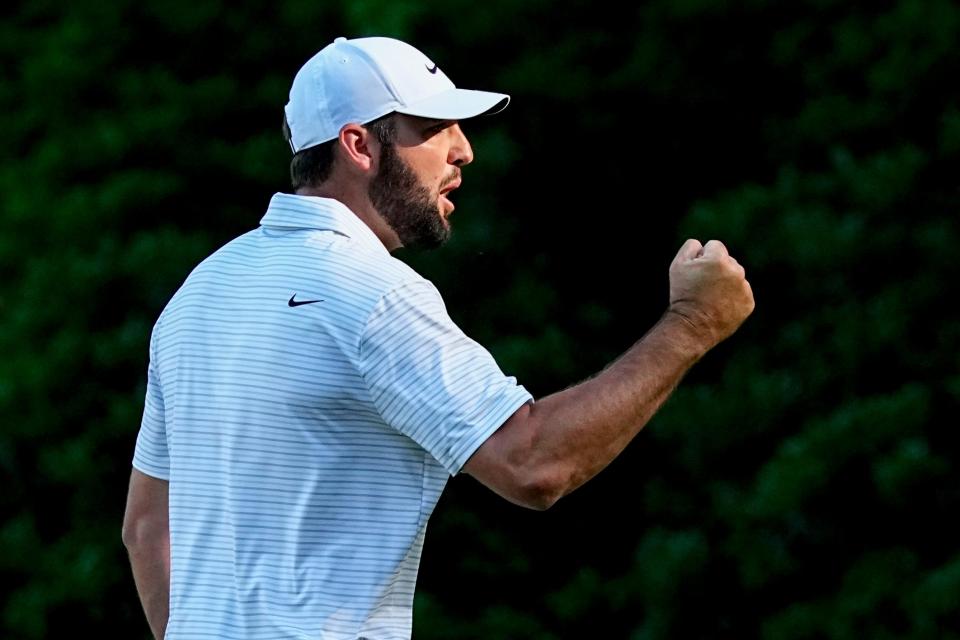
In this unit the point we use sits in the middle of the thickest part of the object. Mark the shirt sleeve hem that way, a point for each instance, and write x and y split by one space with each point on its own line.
519 397
153 472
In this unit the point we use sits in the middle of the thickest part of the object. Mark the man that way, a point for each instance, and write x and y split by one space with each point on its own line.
308 395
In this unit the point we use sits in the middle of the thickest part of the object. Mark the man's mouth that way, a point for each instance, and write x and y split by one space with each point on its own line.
450 186
445 192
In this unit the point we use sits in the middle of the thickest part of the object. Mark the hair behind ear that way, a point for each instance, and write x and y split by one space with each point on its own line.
310 167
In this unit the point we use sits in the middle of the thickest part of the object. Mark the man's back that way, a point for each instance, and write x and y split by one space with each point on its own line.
295 509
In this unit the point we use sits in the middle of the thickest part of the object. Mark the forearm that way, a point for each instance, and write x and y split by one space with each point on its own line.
150 561
549 448
579 431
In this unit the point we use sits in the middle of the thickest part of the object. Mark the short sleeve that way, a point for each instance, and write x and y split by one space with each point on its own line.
429 380
151 455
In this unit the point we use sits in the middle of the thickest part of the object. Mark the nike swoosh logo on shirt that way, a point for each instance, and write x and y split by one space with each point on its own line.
297 303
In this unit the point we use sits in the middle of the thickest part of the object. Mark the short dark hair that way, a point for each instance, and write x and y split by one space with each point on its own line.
311 167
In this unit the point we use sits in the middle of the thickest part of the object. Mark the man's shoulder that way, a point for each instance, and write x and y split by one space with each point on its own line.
362 267
351 276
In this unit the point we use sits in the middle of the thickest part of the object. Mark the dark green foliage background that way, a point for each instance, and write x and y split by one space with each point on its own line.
801 482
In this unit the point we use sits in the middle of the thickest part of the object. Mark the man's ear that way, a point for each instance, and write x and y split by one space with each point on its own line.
358 146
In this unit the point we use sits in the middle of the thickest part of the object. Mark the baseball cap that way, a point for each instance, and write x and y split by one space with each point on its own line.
361 79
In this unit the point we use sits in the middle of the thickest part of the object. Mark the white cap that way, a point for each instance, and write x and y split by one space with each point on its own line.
363 79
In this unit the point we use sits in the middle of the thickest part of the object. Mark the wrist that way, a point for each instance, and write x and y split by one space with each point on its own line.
686 331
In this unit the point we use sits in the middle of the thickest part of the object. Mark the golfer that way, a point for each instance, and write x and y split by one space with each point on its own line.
308 396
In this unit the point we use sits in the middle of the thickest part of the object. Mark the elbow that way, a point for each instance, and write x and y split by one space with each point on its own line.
540 480
142 533
542 491
145 519
516 466
128 534
541 502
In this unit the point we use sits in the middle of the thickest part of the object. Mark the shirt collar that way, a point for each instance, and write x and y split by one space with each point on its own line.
288 211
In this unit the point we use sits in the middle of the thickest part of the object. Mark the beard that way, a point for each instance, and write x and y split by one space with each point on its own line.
406 204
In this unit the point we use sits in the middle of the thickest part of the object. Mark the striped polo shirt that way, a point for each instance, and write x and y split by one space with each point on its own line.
308 398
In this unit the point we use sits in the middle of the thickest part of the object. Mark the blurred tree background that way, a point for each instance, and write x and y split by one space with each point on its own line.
798 485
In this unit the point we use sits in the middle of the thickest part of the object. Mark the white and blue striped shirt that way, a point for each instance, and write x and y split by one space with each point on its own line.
308 398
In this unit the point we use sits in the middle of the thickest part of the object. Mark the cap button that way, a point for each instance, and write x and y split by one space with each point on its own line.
340 39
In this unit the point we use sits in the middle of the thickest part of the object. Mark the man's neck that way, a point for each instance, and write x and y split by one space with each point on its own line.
361 206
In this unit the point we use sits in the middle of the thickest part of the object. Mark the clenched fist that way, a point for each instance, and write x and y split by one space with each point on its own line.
709 289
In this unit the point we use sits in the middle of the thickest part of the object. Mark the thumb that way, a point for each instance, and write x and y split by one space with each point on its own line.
690 250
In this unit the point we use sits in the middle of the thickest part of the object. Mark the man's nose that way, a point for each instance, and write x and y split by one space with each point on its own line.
461 152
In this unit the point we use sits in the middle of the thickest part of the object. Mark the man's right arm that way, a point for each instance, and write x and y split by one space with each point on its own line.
146 534
550 447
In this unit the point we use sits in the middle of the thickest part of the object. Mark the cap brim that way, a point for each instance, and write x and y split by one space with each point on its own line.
458 104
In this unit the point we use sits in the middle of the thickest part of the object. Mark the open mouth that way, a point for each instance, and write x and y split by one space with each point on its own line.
445 195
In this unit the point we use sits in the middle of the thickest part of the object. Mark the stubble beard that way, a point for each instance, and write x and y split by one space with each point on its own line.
406 204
